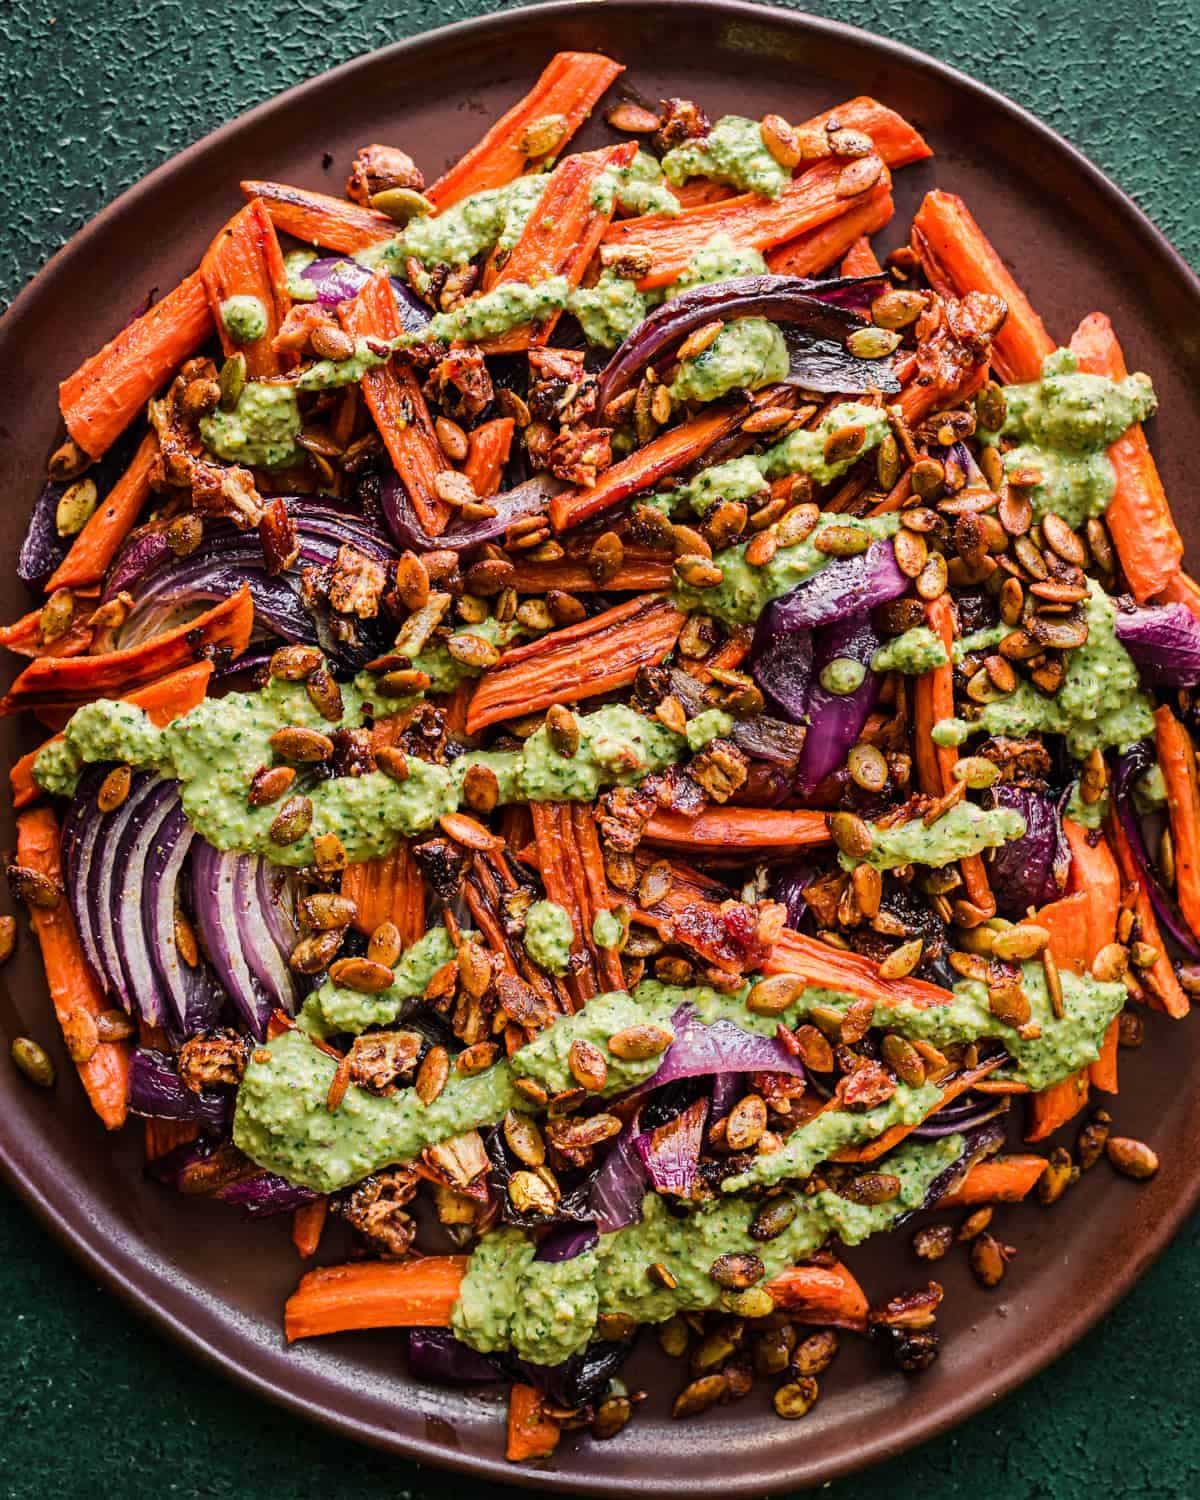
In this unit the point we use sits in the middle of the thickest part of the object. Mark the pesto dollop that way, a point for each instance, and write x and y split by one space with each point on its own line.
966 829
333 1008
548 936
915 651
746 354
509 305
842 676
732 152
244 318
260 431
490 220
638 188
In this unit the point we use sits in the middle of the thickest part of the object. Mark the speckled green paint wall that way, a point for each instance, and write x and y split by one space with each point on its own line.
95 93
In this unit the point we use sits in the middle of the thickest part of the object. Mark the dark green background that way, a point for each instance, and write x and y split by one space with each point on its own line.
95 93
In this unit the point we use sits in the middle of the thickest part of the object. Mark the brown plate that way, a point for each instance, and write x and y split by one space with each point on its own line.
218 1283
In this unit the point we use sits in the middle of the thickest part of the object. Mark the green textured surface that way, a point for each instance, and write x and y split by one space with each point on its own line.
98 93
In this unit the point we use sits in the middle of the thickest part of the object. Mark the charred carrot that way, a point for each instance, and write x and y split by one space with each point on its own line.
958 258
1103 1073
389 889
813 252
553 833
244 260
1177 759
375 1294
810 200
531 1432
109 524
24 636
699 190
1138 515
161 1137
487 453
596 656
1003 1179
163 701
398 406
74 991
897 141
860 259
317 219
835 969
1051 1108
308 1224
820 1294
1159 979
597 896
1094 873
563 233
644 576
563 97
56 683
1070 924
110 389
717 828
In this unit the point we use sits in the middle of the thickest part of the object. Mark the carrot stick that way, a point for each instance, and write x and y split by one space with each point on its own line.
55 683
827 1295
375 1294
567 90
1070 923
699 190
597 896
807 202
245 260
1003 1179
1102 1074
1094 872
389 889
649 576
836 969
531 1433
163 701
24 636
554 842
333 223
860 259
563 233
488 449
717 828
818 249
308 1224
958 258
1166 991
896 141
109 524
73 986
872 1150
110 388
1177 758
397 404
161 1137
1182 589
596 656
1053 1107
664 455
1138 515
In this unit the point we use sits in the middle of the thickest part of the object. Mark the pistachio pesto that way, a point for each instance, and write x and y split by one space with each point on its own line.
712 724
549 934
964 830
732 152
244 318
1089 815
607 929
445 672
512 304
295 262
260 431
842 676
638 188
746 354
333 1008
490 220
917 650
328 374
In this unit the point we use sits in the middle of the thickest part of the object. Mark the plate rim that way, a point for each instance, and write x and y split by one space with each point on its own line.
164 1304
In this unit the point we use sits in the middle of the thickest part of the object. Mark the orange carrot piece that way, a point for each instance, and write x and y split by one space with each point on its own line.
647 576
393 394
563 233
699 190
1159 980
897 142
24 636
308 1224
1182 589
872 1150
456 705
958 258
1003 1179
531 1432
1138 515
333 223
717 828
1070 924
73 987
163 701
375 1294
244 260
1177 758
553 836
828 1295
54 683
1094 872
860 259
111 388
109 524
834 969
1067 922
1051 1108
664 455
1102 1074
818 249
597 896
389 889
569 88
808 201
596 656
161 1137
488 449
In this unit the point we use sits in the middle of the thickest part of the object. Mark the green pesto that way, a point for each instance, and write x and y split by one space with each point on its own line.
244 318
479 223
445 672
803 451
915 651
1087 814
509 305
746 354
294 263
1063 424
548 936
333 1008
735 479
327 374
980 640
732 152
712 724
966 829
952 732
842 676
1150 790
722 259
260 431
638 188
607 930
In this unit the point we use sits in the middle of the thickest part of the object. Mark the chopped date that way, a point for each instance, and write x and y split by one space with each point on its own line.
442 864
461 385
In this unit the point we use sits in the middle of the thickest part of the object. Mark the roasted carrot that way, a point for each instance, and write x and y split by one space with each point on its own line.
488 449
109 524
393 394
161 1137
1159 979
818 249
389 889
896 141
163 701
1094 873
1182 589
566 92
51 683
1103 1073
1138 516
244 260
596 894
860 259
700 190
1003 1179
872 1150
1070 924
562 234
532 1432
1177 760
835 969
24 636
308 1224
734 828
662 456
562 878
958 258
820 1294
644 576
1051 1108
318 219
74 990
808 201
107 391
596 656
375 1294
